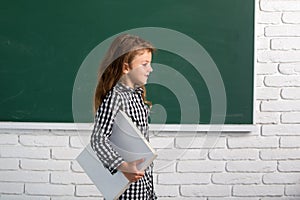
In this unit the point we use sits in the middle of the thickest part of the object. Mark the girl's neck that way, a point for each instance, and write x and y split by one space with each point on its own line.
127 83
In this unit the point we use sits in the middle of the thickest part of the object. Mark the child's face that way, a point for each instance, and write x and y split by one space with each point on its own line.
139 70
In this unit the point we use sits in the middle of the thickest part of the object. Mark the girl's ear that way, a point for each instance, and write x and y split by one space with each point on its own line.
125 68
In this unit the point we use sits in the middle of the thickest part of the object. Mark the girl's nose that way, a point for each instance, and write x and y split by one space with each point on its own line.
150 68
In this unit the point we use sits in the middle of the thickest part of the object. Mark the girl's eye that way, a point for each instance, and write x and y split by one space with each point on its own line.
145 64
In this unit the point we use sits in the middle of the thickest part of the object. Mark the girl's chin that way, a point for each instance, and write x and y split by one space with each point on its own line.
141 84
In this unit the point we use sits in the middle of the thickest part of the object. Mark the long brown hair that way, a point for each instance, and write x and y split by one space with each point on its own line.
122 50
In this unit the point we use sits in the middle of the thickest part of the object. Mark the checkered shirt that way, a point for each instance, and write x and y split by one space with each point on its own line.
122 97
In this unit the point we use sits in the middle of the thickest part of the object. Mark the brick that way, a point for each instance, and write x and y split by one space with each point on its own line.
236 178
205 190
87 190
44 141
155 178
45 165
281 178
269 17
49 189
280 154
253 142
233 154
23 197
65 153
283 31
169 154
257 106
290 142
76 198
182 154
12 131
200 166
175 134
162 166
279 5
278 56
199 142
24 152
290 93
183 178
11 188
260 30
279 198
267 117
8 139
83 133
290 118
254 132
233 198
282 81
69 178
289 166
289 68
79 141
182 198
167 191
293 190
267 93
280 106
24 176
251 166
260 80
266 68
291 17
76 167
262 43
9 163
162 142
285 44
258 190
65 132
284 130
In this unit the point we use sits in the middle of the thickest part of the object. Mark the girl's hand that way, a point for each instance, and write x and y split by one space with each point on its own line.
130 171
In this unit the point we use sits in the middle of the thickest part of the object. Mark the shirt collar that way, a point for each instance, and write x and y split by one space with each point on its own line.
126 88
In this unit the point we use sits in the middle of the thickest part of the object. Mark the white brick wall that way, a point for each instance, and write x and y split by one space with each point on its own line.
262 165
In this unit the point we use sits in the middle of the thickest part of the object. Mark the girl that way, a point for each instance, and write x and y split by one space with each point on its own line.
122 75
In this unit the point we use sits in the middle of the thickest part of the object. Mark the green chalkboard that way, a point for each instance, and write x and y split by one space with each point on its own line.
44 44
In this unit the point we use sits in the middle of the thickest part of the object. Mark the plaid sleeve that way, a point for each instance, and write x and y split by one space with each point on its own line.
104 120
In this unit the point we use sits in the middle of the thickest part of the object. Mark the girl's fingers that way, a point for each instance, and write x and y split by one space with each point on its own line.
136 178
140 173
133 177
